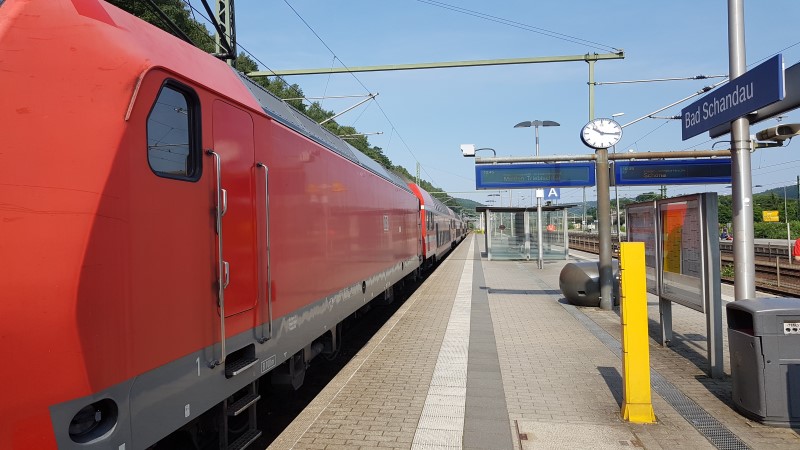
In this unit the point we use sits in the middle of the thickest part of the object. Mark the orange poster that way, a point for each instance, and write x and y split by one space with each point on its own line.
672 222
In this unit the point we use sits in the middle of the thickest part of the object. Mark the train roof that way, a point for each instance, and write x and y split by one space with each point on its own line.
287 115
430 202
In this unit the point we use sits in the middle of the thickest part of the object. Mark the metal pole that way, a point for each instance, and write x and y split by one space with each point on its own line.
540 259
604 229
225 17
441 65
616 197
591 157
788 231
743 234
591 89
603 211
583 219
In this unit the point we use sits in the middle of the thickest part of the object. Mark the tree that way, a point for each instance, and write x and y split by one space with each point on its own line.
648 196
725 212
178 12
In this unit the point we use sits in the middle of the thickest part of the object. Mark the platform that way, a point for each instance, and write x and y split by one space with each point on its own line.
488 355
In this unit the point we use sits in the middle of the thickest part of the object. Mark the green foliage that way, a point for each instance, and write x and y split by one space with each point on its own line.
647 196
768 201
776 230
175 10
724 210
180 13
727 271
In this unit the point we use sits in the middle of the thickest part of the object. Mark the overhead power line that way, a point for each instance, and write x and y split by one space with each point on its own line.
522 26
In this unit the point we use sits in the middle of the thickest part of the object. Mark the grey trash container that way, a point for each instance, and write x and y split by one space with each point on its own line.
764 345
580 282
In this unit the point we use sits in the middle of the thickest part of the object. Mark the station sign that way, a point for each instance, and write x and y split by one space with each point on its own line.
552 193
524 176
791 100
756 88
672 171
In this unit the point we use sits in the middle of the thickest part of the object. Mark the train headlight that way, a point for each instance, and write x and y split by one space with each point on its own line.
93 421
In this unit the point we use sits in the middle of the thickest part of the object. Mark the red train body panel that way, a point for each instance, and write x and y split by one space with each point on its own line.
112 254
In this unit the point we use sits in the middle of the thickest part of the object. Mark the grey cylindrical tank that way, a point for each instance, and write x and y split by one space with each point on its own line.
580 282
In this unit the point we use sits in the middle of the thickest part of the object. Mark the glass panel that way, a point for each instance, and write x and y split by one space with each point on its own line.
553 235
508 235
168 135
554 246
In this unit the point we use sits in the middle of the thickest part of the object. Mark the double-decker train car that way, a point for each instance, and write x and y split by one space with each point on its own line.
441 228
171 234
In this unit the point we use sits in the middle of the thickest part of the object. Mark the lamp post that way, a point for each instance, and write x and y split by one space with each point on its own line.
788 231
536 124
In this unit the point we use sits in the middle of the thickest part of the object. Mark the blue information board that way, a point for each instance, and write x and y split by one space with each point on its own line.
522 176
756 88
672 171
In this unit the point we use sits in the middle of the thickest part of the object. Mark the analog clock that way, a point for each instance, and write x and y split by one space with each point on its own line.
601 133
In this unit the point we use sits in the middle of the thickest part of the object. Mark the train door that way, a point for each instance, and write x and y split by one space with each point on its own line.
234 154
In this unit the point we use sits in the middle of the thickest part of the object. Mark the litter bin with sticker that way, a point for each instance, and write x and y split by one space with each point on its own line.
764 346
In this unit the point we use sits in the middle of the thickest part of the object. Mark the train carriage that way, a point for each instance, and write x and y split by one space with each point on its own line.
441 228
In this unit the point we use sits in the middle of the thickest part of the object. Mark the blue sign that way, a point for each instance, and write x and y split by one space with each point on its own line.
524 176
552 193
756 88
674 171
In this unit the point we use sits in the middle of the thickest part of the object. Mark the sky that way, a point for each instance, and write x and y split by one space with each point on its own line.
424 115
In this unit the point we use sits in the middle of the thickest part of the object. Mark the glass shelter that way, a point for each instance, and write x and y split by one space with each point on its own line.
511 233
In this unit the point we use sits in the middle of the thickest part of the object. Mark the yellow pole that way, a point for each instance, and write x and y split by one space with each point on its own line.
637 404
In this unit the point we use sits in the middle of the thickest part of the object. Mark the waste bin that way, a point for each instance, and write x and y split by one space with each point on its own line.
580 282
764 345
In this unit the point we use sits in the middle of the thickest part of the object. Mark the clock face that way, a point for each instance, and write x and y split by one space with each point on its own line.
601 133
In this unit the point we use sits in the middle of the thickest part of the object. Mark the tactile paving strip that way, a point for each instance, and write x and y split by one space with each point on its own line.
442 422
706 424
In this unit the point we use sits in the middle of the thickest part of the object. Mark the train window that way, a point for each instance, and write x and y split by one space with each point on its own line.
173 148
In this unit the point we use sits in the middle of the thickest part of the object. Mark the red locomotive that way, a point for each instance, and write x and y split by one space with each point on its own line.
172 234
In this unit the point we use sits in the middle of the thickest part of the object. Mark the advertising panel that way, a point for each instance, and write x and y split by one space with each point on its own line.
681 250
642 226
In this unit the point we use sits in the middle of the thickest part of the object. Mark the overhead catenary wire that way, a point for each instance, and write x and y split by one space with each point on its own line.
383 112
522 26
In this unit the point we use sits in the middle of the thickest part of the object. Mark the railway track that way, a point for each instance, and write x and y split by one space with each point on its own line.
775 271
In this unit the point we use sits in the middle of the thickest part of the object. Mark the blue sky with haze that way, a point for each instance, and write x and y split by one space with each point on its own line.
424 115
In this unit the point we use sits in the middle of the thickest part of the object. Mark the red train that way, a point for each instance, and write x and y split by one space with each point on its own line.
172 235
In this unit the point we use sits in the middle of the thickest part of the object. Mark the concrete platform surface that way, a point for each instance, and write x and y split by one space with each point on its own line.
488 355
